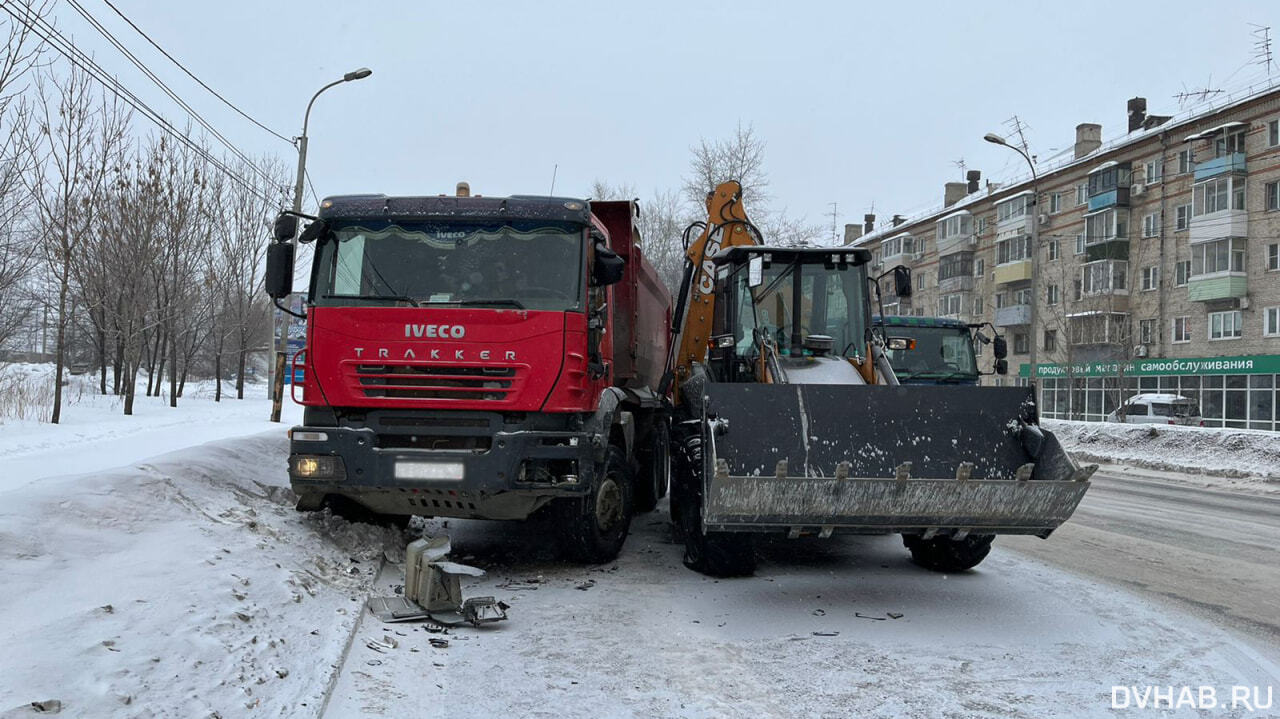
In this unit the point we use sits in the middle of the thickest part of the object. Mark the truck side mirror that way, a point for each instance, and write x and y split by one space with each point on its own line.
1000 348
313 231
1002 366
607 267
279 279
902 281
285 228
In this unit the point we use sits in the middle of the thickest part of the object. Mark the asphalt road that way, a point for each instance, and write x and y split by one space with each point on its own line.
1210 551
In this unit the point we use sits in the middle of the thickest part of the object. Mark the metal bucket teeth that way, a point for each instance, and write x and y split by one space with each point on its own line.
883 459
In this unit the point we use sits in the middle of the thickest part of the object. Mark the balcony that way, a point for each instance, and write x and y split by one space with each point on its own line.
1013 316
1218 286
1217 225
959 283
1230 162
1109 185
1017 271
1115 197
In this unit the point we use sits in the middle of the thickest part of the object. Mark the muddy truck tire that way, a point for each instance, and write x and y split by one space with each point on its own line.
944 554
654 476
594 529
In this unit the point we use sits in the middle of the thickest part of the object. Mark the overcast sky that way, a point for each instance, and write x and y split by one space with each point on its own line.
858 102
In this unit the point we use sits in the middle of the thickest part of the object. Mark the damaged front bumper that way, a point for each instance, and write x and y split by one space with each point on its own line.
465 464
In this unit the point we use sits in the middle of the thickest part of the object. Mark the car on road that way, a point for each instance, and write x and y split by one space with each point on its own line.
1158 409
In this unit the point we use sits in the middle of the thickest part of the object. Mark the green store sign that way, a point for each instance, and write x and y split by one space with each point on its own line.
1244 364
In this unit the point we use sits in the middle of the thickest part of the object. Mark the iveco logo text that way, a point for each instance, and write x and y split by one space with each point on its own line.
454 331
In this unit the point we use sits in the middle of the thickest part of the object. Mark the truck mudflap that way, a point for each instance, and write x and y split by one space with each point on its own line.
878 459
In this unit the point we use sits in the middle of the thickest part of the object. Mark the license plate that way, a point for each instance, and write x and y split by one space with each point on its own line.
430 470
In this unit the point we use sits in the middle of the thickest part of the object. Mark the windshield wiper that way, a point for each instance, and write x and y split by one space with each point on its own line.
503 301
388 298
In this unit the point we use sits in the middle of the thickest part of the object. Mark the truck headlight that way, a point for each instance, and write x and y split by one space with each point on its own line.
308 466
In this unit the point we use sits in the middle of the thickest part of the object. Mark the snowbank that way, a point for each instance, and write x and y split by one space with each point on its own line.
1230 453
185 586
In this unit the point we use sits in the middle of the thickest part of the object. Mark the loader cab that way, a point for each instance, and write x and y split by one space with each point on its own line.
789 314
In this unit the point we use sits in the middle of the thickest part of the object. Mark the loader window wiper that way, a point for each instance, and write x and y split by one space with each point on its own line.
388 298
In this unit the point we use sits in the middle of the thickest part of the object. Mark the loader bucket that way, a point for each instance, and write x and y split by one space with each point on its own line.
879 459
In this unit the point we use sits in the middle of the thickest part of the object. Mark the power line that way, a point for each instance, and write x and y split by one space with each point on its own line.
48 33
224 100
168 91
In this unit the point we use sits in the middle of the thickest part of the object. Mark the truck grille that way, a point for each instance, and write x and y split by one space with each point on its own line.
492 383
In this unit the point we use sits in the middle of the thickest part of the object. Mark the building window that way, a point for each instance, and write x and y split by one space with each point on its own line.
1273 195
1076 293
1226 325
1185 162
900 245
1271 322
1014 249
1155 170
1055 203
1273 256
1013 209
1052 295
956 264
1020 345
1181 273
1217 256
979 266
999 300
1082 194
1218 194
981 226
949 305
1104 276
1080 244
1055 250
920 281
1151 225
1273 133
1050 340
1181 330
1182 217
1229 143
1150 277
1106 226
1022 296
1146 331
977 305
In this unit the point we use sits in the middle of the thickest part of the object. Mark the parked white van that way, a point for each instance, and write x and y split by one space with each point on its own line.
1159 409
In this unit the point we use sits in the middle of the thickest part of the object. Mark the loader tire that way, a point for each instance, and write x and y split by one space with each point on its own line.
655 469
944 554
595 528
716 554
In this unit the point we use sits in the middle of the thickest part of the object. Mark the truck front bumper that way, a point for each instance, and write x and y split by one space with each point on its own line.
479 466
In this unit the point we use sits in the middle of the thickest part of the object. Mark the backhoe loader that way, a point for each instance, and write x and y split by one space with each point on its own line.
788 417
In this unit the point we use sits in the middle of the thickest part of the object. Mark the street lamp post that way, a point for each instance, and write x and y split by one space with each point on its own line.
1035 249
282 342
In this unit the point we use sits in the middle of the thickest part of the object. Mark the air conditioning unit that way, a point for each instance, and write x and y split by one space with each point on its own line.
1044 220
1137 189
1140 351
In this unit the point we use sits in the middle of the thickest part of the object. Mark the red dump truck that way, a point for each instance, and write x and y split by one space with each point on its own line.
480 357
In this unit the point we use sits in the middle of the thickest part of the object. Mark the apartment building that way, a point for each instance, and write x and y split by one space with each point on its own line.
1158 262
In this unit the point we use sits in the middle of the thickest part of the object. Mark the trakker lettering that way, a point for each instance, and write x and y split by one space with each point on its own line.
435 354
454 331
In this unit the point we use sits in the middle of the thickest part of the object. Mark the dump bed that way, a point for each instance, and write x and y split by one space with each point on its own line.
641 303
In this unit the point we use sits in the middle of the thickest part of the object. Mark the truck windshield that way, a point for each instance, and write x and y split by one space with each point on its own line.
941 353
832 303
523 265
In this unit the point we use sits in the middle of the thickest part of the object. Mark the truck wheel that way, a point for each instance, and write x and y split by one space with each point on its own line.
944 554
655 469
717 554
596 527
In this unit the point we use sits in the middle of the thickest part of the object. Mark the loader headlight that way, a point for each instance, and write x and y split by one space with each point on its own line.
308 466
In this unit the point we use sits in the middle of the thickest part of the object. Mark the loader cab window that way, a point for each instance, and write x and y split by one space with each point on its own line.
831 302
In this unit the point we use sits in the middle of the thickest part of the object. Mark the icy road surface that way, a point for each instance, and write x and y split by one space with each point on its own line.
843 627
185 585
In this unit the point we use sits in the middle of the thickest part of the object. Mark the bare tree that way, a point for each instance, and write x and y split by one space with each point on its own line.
74 142
740 157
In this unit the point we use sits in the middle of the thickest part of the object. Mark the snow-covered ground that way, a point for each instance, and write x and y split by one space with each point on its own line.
95 434
1229 458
